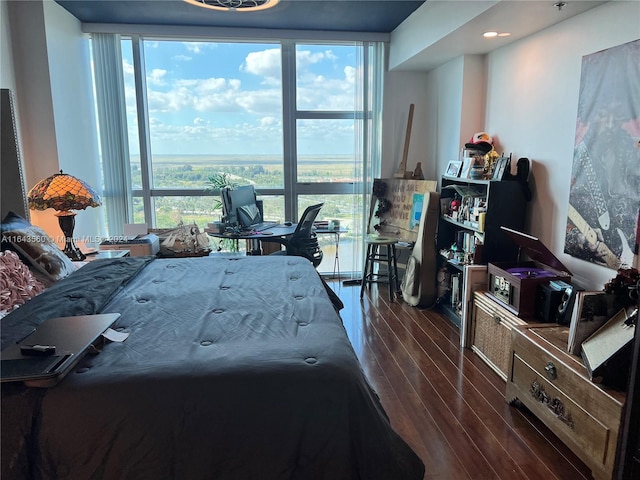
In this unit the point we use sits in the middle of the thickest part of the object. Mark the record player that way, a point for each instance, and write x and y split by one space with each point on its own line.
513 284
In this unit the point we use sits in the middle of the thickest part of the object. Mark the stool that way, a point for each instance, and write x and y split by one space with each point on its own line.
376 255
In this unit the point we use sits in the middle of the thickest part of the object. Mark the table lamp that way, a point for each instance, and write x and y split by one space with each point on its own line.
64 193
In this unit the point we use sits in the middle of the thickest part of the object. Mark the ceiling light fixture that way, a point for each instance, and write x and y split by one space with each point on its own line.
234 5
559 5
495 34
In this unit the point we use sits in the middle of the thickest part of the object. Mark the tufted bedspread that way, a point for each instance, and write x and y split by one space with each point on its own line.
235 369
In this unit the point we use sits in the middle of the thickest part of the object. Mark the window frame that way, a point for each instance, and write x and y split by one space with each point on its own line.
292 189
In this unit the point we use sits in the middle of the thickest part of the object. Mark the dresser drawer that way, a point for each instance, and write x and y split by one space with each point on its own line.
556 388
491 333
570 422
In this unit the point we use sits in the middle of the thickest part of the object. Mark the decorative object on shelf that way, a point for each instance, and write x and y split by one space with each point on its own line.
453 169
500 167
64 193
490 160
624 286
480 141
476 172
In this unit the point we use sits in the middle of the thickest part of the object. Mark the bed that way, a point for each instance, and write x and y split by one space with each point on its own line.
235 368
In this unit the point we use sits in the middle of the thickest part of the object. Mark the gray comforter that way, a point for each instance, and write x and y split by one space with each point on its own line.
235 369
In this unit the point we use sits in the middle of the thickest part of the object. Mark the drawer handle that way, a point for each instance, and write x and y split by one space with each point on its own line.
554 404
552 373
497 319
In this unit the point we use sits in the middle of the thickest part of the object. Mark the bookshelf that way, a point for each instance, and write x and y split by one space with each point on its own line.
471 214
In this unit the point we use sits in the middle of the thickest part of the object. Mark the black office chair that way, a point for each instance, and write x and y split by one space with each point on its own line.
304 241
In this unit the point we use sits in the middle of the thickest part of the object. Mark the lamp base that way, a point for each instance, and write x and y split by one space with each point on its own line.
67 222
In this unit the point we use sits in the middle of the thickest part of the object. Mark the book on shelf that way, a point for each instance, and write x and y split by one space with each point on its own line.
591 311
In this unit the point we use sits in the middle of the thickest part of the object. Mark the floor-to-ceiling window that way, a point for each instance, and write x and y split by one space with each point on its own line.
292 118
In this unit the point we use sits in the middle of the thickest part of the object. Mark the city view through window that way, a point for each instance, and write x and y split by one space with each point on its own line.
215 108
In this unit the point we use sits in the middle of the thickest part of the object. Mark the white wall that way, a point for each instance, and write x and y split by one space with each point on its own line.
401 89
7 78
73 109
532 99
50 61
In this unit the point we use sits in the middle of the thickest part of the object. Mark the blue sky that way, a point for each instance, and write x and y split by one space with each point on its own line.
207 98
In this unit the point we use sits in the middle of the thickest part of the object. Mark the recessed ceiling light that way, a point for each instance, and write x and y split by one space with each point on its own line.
235 5
490 34
505 34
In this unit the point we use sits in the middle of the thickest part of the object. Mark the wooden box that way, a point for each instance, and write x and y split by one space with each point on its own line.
555 387
513 284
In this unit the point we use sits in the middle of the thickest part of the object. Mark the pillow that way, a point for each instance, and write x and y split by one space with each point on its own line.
17 283
35 247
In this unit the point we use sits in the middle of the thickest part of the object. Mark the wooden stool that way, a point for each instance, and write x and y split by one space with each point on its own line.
376 255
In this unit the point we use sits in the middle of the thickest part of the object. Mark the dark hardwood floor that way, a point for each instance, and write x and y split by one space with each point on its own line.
444 400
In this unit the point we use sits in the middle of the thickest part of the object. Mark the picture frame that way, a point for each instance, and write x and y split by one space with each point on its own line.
453 169
499 168
467 163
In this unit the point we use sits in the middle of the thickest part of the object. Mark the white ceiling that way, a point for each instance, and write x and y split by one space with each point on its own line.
441 30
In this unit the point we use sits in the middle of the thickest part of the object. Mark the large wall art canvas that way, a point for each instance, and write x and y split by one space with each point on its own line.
604 199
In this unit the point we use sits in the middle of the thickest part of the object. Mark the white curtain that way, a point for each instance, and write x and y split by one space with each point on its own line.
368 138
112 124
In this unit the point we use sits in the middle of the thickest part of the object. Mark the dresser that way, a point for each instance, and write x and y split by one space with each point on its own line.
556 388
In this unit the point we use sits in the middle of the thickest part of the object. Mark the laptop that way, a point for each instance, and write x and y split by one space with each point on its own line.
71 338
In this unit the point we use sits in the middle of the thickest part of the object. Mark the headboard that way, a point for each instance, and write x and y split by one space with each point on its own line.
12 192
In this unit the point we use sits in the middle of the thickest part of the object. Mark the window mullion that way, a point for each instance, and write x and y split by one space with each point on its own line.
289 128
143 127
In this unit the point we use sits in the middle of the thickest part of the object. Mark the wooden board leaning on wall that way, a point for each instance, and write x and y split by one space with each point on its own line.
402 219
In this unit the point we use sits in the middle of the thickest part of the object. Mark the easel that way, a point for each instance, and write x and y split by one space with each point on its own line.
402 169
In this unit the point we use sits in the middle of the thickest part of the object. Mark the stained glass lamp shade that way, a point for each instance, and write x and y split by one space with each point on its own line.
64 193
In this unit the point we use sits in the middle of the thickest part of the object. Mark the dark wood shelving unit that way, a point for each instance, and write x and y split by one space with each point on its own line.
505 205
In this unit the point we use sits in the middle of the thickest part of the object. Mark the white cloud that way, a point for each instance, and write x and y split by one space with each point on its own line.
182 58
156 76
304 58
265 63
195 47
268 121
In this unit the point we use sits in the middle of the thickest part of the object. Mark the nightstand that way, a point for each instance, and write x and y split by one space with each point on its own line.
105 254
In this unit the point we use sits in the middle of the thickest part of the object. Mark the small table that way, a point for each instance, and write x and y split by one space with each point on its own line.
336 232
278 231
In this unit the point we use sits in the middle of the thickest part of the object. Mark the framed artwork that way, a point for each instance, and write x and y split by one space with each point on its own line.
453 169
604 195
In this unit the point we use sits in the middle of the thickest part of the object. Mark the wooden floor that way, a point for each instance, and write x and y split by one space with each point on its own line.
443 400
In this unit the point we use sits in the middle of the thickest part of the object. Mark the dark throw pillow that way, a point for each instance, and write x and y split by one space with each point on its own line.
35 247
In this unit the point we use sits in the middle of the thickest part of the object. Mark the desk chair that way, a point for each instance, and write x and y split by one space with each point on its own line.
303 242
